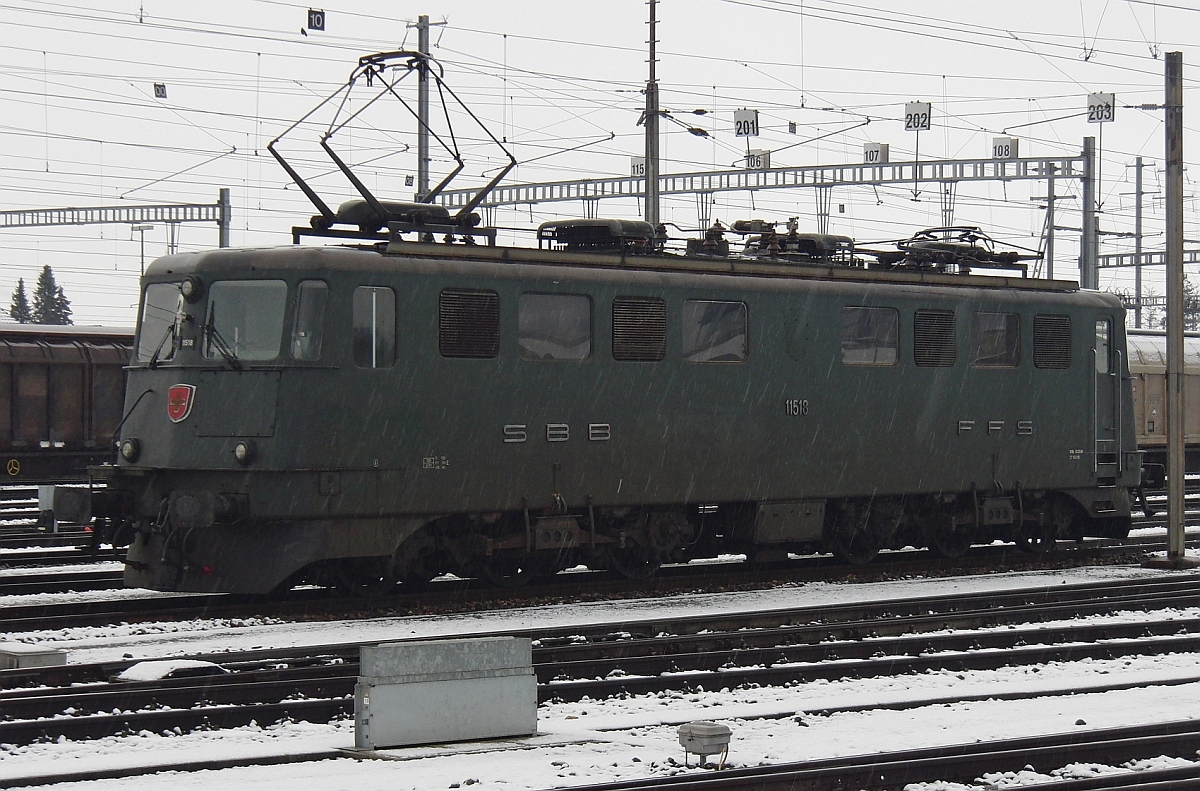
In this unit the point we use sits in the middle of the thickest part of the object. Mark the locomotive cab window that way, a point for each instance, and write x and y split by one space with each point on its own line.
159 308
714 332
244 319
995 340
554 326
870 336
308 329
374 318
1103 331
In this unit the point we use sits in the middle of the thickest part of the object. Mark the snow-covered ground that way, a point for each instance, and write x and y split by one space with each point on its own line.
175 638
598 741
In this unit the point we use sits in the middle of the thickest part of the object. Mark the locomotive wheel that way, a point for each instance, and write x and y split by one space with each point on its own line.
855 546
853 540
1040 539
635 562
367 578
949 543
415 560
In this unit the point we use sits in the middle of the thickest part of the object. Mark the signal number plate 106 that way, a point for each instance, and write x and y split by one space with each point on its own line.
795 407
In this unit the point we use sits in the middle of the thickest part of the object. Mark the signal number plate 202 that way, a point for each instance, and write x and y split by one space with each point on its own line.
795 407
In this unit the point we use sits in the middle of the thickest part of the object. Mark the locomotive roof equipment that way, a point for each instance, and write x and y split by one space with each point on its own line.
389 70
953 249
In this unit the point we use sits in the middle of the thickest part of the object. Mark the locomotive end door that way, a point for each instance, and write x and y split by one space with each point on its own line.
1106 401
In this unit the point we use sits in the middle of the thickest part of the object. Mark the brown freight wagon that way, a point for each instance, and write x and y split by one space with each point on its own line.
61 393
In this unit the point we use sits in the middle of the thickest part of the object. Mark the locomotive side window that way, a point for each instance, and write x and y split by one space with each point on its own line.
1052 341
374 317
934 338
158 316
995 340
870 336
554 326
714 332
639 329
244 319
469 323
309 328
1103 330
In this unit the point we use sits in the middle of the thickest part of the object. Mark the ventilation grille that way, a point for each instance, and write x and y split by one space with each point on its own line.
1052 341
469 324
933 338
639 329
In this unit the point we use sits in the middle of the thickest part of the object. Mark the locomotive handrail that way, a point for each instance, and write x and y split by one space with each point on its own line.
117 430
1095 388
1116 382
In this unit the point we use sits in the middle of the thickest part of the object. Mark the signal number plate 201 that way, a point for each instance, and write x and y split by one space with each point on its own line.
795 407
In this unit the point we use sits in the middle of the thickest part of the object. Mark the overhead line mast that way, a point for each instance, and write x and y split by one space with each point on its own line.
651 120
422 27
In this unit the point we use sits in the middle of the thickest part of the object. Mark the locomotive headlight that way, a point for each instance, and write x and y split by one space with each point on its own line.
244 451
130 449
191 288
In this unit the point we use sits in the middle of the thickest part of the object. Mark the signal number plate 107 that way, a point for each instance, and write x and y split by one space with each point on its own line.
795 407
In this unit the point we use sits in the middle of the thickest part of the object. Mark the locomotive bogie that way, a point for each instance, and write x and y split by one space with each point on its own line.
439 412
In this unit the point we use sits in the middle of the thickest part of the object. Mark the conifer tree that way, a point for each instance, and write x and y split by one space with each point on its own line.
50 305
19 310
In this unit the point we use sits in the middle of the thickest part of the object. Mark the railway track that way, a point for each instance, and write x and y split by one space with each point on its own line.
451 595
685 653
963 763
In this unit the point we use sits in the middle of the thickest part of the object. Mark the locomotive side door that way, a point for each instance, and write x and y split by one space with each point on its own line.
1106 401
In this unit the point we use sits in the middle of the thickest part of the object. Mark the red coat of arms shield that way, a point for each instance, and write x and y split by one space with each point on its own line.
179 402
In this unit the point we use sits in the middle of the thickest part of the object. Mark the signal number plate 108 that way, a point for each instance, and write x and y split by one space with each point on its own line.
795 407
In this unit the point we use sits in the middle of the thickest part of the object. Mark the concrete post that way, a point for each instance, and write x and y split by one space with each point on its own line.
1175 379
652 116
423 109
225 221
1088 247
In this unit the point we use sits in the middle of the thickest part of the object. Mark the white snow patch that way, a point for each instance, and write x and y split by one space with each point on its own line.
155 670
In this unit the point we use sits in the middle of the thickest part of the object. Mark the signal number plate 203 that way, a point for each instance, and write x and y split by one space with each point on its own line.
795 407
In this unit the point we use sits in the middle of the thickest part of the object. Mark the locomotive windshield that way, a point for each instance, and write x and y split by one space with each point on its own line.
244 320
157 339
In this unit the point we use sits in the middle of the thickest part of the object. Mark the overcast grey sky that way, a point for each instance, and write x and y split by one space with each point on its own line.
82 127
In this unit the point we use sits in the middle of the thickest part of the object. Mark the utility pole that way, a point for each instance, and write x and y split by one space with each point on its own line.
142 230
1088 274
226 217
422 27
1050 196
1173 107
1137 244
423 108
651 121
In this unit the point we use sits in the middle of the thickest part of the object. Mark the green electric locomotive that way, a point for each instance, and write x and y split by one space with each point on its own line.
389 411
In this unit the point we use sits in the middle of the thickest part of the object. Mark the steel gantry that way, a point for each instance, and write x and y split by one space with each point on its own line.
169 214
822 178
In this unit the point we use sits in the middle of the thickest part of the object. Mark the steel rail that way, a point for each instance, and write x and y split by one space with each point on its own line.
457 594
961 763
268 680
